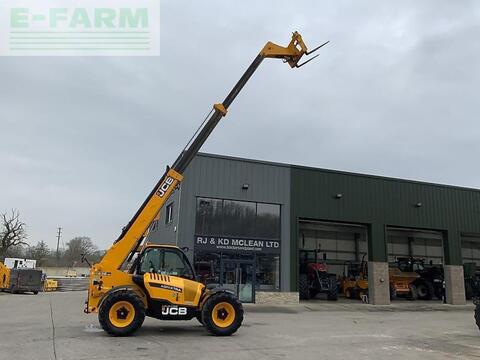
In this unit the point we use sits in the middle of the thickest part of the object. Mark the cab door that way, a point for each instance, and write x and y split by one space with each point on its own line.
168 276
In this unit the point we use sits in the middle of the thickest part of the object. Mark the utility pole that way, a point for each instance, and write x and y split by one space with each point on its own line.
59 234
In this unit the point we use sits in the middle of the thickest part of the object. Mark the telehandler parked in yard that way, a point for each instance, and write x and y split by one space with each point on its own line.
158 280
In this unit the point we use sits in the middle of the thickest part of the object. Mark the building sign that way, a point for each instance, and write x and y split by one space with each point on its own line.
222 243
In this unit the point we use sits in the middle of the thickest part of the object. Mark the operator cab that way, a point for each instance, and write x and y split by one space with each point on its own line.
162 260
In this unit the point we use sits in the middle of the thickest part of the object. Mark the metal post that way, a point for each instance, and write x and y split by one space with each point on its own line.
59 234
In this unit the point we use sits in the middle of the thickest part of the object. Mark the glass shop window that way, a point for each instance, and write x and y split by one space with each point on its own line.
239 218
267 272
209 216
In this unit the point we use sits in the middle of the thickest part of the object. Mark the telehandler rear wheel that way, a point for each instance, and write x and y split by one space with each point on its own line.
222 314
121 313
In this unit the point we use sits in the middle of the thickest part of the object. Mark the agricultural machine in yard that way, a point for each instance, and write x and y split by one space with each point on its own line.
476 300
472 287
4 277
471 274
354 282
20 280
430 281
314 277
402 284
135 279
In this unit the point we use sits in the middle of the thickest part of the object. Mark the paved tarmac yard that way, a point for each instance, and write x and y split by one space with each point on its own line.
53 326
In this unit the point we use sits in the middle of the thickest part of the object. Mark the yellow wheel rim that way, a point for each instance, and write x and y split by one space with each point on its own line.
223 314
121 314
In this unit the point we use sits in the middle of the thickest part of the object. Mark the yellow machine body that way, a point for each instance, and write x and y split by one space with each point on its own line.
4 276
50 285
354 288
400 281
122 295
176 290
107 275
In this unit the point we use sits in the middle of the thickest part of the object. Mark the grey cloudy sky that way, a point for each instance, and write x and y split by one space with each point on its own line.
83 140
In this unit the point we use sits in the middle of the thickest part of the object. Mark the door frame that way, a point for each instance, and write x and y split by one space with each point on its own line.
237 262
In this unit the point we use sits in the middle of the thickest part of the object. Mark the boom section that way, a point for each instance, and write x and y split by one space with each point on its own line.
132 235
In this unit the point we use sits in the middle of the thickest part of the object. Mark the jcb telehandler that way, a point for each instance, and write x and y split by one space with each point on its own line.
136 279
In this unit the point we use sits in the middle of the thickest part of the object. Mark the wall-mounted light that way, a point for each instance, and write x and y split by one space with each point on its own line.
418 205
245 186
338 196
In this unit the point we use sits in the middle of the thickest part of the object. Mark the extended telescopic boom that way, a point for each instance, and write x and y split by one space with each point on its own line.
132 234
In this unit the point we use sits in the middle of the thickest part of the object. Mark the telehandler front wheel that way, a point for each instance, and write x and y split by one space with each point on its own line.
121 313
222 314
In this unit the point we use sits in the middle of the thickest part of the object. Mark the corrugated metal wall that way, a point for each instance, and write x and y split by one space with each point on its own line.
307 193
223 177
380 202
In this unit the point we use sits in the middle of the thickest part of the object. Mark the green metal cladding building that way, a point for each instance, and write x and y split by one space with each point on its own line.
245 222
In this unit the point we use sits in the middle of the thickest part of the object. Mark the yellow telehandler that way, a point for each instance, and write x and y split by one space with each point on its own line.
136 279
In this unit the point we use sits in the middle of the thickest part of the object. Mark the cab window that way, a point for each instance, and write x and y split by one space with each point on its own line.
418 267
165 262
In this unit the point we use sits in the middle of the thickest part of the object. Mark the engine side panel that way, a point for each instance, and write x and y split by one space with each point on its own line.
175 290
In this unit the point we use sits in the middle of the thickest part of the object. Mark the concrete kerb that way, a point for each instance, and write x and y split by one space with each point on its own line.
357 307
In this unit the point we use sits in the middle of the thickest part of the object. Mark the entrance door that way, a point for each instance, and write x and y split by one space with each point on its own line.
238 276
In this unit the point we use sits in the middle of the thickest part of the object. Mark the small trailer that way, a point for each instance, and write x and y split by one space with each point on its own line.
25 280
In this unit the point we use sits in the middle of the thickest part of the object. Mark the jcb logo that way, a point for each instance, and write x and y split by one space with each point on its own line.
173 310
165 186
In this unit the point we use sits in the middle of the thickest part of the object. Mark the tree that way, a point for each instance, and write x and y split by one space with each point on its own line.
39 252
78 246
12 232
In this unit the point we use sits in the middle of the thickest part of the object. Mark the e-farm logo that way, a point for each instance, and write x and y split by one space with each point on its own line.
80 27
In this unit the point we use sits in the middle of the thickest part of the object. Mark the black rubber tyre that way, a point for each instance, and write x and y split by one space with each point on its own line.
362 293
199 318
468 290
35 292
393 293
424 289
117 297
212 321
348 293
332 294
477 315
439 293
303 288
412 295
